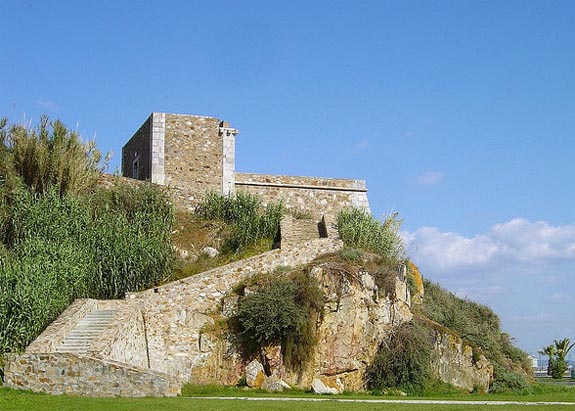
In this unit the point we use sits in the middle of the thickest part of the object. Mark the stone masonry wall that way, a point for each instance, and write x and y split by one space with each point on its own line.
193 154
294 231
60 373
139 147
125 341
319 196
176 313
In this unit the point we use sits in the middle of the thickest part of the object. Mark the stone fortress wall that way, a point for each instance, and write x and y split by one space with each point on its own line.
194 154
317 196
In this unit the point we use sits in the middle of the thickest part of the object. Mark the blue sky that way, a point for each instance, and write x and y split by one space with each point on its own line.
459 114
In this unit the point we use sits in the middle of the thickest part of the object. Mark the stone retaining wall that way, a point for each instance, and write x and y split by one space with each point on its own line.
176 313
294 231
60 373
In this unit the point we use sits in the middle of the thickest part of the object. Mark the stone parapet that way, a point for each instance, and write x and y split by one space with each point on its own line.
315 195
319 183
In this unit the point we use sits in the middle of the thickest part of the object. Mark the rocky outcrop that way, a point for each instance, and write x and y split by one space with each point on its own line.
356 318
453 363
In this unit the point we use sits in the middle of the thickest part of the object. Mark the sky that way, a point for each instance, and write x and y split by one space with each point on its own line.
460 115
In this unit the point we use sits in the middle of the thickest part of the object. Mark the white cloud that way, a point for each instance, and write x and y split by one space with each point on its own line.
430 178
516 241
523 270
47 105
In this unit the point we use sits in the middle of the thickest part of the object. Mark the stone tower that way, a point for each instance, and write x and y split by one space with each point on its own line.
193 153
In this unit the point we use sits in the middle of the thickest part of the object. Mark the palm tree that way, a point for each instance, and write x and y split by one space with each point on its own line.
550 352
563 347
557 352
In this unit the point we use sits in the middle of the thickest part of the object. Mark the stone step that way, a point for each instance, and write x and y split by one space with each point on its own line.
87 330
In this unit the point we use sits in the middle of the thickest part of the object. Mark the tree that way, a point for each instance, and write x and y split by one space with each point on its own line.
550 352
557 352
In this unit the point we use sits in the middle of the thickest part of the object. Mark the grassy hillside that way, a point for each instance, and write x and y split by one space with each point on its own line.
479 327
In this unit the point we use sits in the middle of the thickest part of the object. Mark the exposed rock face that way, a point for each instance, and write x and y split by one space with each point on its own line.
417 279
453 363
355 320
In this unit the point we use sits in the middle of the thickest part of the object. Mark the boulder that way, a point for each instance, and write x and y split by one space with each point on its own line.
274 384
210 252
327 385
255 375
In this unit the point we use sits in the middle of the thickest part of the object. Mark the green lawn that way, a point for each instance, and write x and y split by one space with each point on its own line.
544 392
19 400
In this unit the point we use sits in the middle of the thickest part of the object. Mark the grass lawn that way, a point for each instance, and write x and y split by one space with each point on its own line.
19 400
543 392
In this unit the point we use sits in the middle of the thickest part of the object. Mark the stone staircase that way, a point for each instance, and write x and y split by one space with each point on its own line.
87 330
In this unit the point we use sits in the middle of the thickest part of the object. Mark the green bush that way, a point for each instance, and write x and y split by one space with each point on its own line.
402 361
358 229
279 310
506 380
250 221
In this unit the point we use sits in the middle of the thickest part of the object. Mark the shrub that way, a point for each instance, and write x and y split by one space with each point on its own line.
358 229
402 361
505 380
249 220
280 311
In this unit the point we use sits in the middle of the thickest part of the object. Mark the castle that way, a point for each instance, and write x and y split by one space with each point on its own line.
154 341
195 154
